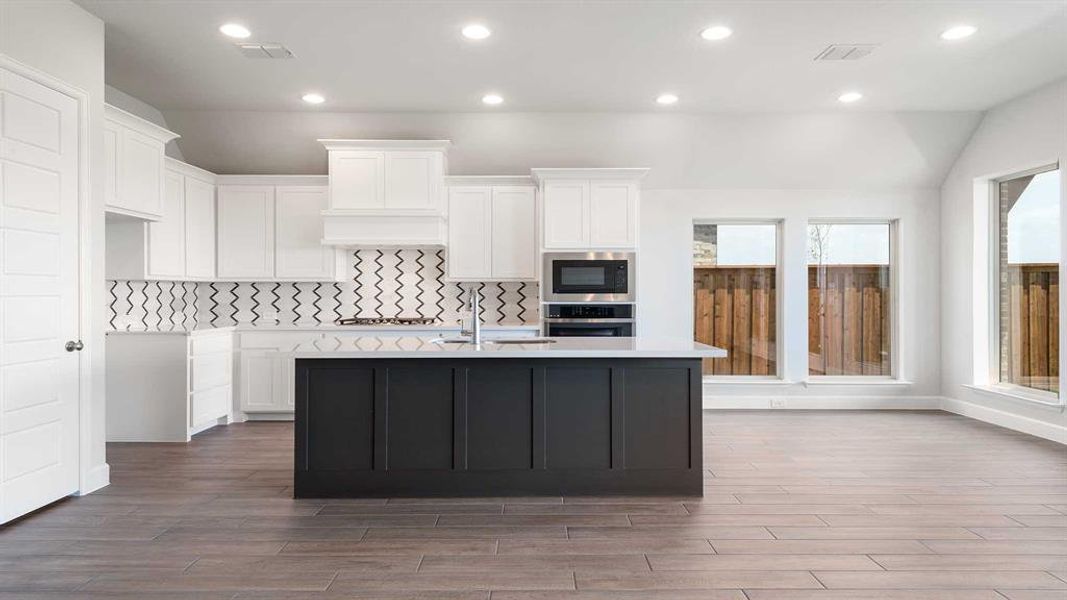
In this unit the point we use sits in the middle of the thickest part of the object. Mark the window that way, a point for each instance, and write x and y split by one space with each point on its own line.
734 282
850 304
1028 258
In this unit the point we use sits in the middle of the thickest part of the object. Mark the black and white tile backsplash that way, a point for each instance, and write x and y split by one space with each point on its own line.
381 283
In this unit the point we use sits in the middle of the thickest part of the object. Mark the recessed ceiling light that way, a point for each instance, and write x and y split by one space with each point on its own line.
235 30
313 98
476 31
716 32
666 99
492 99
849 97
958 32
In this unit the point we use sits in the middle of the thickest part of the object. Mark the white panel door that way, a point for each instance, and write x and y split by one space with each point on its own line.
246 231
612 214
199 229
38 295
514 233
357 179
469 231
566 205
166 237
411 180
299 253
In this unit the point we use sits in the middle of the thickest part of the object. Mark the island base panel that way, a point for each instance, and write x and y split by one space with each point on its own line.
497 427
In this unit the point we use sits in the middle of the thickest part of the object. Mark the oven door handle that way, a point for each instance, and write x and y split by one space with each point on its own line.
560 320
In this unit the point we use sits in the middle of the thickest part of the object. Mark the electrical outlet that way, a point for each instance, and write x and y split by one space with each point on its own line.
777 402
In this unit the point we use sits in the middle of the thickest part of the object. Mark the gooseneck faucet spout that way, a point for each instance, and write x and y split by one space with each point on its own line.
476 320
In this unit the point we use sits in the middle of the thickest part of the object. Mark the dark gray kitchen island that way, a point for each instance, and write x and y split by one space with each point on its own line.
409 416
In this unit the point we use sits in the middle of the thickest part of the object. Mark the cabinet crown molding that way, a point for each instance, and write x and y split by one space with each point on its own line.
187 169
282 180
337 144
519 180
542 173
138 124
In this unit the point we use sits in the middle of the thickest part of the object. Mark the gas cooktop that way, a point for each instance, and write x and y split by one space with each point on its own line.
387 321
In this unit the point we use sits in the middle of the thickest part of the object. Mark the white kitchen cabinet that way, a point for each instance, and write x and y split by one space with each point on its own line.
133 158
265 378
492 229
270 229
180 246
470 233
167 386
299 253
199 229
246 232
589 209
385 192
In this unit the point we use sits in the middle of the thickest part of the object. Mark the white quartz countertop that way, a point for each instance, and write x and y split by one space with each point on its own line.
565 347
325 328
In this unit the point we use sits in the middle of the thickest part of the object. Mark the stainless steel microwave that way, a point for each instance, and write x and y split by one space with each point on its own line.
589 277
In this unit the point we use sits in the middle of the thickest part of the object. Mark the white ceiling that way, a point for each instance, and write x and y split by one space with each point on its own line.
581 55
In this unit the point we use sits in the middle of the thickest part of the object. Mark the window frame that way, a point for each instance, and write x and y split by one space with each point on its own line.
995 383
779 299
896 372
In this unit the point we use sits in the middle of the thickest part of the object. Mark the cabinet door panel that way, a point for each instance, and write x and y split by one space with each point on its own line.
357 179
140 173
612 219
246 231
166 237
514 233
469 232
578 418
199 229
419 418
343 400
411 181
499 418
300 253
566 206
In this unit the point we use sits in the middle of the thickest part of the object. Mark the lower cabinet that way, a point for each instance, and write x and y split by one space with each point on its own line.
168 386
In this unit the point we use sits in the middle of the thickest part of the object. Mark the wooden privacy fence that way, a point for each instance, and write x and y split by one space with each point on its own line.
848 319
1030 324
735 309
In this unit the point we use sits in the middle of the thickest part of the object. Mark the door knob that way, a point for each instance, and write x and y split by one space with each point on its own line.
71 346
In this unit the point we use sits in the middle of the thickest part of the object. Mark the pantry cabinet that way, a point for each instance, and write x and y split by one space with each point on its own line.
492 229
270 229
134 165
589 209
180 245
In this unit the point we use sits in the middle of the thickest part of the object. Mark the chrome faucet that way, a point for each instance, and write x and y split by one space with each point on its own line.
475 331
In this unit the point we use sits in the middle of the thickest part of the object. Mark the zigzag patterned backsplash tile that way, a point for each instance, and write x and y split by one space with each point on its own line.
381 283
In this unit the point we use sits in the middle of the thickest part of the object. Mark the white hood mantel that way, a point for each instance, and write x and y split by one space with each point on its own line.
386 193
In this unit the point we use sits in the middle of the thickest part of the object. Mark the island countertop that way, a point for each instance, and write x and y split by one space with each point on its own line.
562 347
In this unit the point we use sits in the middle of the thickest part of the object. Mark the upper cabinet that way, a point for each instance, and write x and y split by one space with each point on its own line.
133 155
385 192
180 245
589 209
270 229
492 229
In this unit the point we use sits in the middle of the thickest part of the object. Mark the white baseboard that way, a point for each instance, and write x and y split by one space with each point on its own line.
98 477
1041 429
821 402
285 416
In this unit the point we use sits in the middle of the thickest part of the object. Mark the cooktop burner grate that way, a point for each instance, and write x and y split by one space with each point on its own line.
387 321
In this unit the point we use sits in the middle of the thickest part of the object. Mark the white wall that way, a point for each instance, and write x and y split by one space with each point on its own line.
1024 133
64 41
840 150
135 106
665 283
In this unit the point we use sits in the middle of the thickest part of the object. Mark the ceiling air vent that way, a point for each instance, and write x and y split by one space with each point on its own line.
268 50
846 51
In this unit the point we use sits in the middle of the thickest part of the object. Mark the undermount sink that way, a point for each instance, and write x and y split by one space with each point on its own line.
452 340
529 340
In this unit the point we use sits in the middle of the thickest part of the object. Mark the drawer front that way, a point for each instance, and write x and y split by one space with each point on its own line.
211 370
210 404
210 344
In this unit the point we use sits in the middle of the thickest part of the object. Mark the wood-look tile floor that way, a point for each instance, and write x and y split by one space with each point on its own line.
797 505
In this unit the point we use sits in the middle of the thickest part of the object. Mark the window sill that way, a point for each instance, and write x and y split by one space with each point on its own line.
856 381
746 380
1016 393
